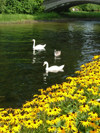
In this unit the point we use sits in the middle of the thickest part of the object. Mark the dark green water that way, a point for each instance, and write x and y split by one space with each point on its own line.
22 73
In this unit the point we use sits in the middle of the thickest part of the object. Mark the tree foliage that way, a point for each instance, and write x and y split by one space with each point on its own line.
20 6
2 5
33 6
88 7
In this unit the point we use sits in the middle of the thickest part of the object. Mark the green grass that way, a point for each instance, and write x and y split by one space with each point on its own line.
24 17
15 17
81 14
47 16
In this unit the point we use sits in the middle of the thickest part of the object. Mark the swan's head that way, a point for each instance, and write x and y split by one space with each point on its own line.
45 63
33 40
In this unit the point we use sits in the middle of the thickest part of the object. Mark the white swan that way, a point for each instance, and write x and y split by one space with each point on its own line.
53 68
57 53
39 46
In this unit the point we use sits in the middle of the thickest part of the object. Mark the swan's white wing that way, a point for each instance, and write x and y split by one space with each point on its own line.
55 68
55 71
40 46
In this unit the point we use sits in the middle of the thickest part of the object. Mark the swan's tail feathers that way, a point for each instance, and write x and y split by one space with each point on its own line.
44 45
62 66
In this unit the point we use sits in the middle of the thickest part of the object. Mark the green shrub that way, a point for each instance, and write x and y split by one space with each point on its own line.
2 5
20 6
87 7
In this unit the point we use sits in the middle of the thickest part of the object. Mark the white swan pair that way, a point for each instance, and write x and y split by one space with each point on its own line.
39 46
56 53
53 68
42 47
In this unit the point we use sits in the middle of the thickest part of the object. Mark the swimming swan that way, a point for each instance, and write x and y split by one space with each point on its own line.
53 68
38 47
57 53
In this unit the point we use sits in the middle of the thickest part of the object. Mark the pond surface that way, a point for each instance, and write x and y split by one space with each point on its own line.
21 70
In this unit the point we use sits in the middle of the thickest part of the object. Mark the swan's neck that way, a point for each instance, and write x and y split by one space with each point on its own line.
47 65
33 43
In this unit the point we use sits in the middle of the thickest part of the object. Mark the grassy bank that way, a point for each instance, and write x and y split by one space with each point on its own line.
70 107
48 16
81 14
24 17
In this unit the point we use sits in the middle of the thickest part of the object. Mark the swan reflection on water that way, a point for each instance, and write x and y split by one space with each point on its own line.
34 60
46 74
36 52
57 59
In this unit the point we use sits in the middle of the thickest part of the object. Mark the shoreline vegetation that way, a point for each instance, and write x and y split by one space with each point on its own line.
70 107
53 16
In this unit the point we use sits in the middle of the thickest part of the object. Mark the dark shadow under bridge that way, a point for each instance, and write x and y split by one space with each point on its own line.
58 5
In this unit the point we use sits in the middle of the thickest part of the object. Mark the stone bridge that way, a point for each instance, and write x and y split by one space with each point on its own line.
58 5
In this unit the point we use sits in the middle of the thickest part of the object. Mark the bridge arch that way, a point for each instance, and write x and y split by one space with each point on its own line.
58 5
